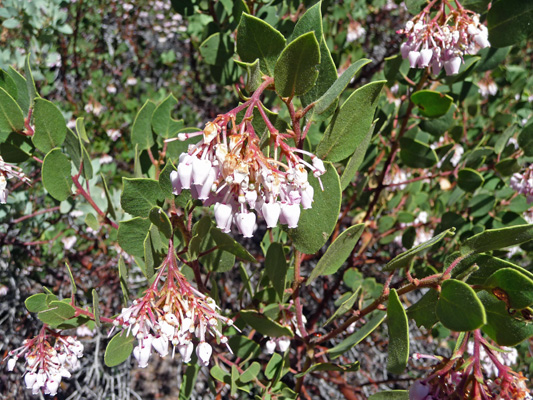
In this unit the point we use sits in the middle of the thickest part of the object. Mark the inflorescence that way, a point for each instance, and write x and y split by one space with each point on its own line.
228 169
442 40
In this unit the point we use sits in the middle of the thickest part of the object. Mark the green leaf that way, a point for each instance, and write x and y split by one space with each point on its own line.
164 180
458 308
141 131
509 22
213 49
416 154
23 97
335 90
469 180
398 327
123 276
481 205
350 124
50 127
118 349
256 39
276 267
404 259
162 122
30 82
57 313
188 381
415 6
502 327
479 6
295 72
337 253
518 287
424 310
432 104
494 239
251 373
131 235
227 243
316 224
140 195
356 159
160 219
310 21
80 129
345 306
491 57
36 302
274 366
391 394
110 207
508 166
71 277
525 140
92 222
8 84
488 265
264 325
244 347
356 337
96 308
56 175
253 74
437 126
11 117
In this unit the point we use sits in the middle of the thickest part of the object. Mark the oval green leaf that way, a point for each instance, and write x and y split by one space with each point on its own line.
509 22
432 104
469 180
276 267
11 116
398 328
118 349
56 175
264 325
416 154
50 127
517 287
494 239
458 308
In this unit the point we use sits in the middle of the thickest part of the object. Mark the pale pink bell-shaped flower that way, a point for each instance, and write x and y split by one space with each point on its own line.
246 223
204 351
205 190
271 212
200 170
11 364
425 57
413 58
186 351
283 344
185 173
452 65
307 197
291 214
270 346
223 213
251 198
52 384
142 352
29 379
160 345
405 49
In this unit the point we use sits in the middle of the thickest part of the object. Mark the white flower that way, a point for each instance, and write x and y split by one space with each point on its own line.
11 363
271 213
270 346
245 222
113 134
3 189
204 351
223 213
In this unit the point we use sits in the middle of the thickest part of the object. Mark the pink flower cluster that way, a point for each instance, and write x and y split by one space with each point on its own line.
8 171
523 183
228 169
443 40
174 315
45 364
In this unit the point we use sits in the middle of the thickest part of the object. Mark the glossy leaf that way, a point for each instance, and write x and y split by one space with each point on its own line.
525 139
50 127
265 325
227 243
345 306
56 313
398 328
488 265
276 267
337 252
404 259
36 302
502 327
416 154
350 124
431 104
118 349
11 117
188 381
316 224
141 131
458 308
140 195
517 287
494 239
56 175
131 235
424 310
358 336
509 22
469 180
250 373
295 71
335 90
256 39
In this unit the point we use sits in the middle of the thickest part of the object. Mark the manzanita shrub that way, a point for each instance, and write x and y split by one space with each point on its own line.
260 235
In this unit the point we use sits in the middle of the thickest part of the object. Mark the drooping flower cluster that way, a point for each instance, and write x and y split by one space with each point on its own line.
483 375
228 169
288 319
443 39
45 364
8 171
174 315
523 183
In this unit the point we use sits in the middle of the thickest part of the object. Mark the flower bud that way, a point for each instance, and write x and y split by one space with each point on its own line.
223 213
251 198
29 379
160 345
452 65
270 346
186 351
246 223
419 391
11 363
291 214
413 58
283 344
425 57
